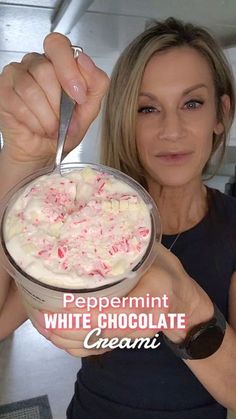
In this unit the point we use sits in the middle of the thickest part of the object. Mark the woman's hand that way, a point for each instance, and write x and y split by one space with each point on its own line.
165 276
30 100
68 340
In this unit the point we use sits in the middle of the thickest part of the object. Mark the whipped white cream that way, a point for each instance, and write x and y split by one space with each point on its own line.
83 230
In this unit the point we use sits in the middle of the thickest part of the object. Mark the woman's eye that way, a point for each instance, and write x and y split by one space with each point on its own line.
146 109
193 104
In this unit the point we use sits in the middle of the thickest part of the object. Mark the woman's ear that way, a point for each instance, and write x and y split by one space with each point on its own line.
225 102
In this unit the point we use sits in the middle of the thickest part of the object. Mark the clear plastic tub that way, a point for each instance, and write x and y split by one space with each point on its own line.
38 294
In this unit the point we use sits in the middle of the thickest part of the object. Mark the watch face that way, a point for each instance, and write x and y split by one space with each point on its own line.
205 342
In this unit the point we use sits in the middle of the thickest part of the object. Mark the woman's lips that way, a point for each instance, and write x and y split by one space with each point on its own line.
174 157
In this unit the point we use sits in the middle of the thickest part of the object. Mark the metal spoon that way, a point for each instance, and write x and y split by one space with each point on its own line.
66 110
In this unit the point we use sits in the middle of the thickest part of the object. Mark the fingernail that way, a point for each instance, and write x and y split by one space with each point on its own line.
85 61
77 92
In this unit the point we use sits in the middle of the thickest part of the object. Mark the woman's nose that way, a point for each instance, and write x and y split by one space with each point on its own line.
171 127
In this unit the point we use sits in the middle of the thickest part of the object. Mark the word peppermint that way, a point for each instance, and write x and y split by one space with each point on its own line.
101 303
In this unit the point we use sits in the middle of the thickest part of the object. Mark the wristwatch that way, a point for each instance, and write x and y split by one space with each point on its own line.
202 340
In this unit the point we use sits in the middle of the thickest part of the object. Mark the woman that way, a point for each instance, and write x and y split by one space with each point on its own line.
169 108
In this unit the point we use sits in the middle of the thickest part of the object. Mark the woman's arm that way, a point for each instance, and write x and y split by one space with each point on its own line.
12 312
217 373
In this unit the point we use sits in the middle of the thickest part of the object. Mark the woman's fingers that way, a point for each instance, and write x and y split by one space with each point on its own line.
30 99
81 79
15 106
43 72
73 347
97 83
96 79
27 102
65 66
63 343
33 95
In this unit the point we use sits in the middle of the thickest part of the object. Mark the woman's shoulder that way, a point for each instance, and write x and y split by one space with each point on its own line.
224 205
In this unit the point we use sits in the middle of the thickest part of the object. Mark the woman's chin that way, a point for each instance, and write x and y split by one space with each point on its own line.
173 180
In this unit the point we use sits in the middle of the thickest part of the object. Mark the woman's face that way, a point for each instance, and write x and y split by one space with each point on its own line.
176 116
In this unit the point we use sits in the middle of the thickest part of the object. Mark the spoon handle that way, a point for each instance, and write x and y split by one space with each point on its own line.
66 110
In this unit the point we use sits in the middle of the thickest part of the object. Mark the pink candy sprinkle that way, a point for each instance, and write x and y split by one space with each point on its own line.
59 218
96 272
42 253
143 232
101 187
32 190
115 249
65 265
60 253
105 267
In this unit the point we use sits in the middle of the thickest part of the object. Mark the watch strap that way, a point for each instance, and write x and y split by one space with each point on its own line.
183 349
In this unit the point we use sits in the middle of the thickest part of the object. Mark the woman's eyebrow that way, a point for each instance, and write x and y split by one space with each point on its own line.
195 87
149 95
185 92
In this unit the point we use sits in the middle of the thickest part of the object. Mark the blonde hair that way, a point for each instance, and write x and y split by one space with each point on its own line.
118 145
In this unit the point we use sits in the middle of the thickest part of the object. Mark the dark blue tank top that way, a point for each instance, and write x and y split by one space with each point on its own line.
154 383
